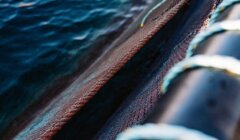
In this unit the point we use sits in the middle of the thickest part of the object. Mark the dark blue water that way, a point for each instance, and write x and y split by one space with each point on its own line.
44 40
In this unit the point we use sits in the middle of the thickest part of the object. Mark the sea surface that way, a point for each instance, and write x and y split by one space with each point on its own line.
44 40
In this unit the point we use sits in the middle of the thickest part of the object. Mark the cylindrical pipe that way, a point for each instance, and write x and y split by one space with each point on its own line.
202 99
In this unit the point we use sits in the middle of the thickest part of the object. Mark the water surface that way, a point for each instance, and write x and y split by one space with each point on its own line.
44 40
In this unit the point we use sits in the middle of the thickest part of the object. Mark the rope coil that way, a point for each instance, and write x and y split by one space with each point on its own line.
226 64
207 61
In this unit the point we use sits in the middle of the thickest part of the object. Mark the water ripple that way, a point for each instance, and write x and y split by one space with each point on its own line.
42 40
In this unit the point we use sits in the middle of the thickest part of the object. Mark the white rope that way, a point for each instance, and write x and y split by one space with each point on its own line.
233 25
227 64
162 132
150 11
221 8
